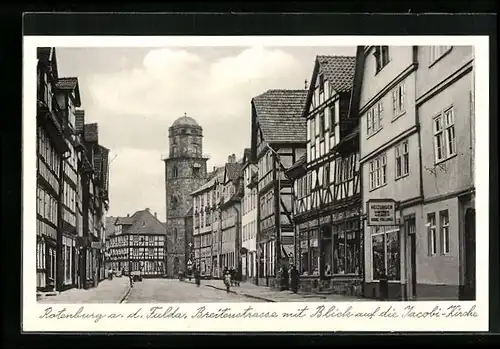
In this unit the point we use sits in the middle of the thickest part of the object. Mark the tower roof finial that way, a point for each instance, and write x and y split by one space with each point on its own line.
185 114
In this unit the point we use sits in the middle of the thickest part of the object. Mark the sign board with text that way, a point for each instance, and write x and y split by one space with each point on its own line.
381 212
96 244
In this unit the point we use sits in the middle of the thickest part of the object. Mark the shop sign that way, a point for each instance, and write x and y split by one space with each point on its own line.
381 212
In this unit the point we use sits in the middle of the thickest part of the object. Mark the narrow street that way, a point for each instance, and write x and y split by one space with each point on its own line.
175 291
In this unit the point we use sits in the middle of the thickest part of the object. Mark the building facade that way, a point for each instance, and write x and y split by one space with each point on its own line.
444 266
51 150
277 141
249 219
206 227
138 245
185 171
327 184
230 215
68 98
411 164
63 164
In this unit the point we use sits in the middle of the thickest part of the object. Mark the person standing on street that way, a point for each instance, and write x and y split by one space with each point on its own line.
197 277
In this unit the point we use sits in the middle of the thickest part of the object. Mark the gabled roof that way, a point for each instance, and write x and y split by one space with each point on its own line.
143 222
70 84
338 70
233 171
278 113
124 221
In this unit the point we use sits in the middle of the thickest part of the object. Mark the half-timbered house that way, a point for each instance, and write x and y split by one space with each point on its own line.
278 140
327 197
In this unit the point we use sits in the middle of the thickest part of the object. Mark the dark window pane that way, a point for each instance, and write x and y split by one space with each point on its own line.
378 250
393 256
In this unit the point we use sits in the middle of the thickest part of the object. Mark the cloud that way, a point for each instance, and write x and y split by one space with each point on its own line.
135 105
173 81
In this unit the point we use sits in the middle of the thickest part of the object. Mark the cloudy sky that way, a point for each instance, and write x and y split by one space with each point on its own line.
135 94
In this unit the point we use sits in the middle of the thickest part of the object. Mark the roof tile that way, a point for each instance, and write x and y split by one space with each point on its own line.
338 70
279 114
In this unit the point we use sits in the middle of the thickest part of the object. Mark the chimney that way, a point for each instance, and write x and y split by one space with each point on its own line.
231 159
215 168
128 214
147 209
156 216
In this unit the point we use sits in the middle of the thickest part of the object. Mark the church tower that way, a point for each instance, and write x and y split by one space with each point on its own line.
185 171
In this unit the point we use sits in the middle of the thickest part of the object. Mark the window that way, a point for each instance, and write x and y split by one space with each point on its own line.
398 100
381 54
175 172
321 83
402 159
313 128
374 118
444 135
378 172
445 231
322 124
332 119
386 253
346 247
436 52
432 233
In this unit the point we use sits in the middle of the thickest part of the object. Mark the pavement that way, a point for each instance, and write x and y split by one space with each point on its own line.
108 291
175 291
268 294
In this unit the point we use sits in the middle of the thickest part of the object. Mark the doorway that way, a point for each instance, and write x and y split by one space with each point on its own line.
411 284
470 254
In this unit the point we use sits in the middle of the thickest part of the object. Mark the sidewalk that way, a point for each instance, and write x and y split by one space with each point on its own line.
267 294
108 291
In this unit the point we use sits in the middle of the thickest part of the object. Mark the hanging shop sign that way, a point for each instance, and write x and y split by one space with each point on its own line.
381 212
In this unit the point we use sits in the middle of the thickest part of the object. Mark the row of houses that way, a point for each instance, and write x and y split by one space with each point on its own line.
72 184
366 175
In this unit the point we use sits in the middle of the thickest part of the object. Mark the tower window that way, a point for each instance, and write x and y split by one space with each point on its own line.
175 172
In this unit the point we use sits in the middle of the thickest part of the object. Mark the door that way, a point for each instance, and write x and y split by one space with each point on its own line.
470 254
411 284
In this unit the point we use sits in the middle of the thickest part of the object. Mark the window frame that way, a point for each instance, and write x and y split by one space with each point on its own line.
382 58
384 233
443 134
378 172
374 118
399 100
444 228
432 233
402 153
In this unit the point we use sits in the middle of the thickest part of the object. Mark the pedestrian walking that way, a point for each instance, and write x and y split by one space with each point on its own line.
227 279
284 277
294 279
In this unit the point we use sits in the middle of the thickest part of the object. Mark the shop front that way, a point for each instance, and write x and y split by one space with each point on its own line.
329 253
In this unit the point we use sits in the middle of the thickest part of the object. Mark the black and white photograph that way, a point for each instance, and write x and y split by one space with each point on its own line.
255 171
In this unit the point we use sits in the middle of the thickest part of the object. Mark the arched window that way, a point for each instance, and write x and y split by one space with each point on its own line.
175 172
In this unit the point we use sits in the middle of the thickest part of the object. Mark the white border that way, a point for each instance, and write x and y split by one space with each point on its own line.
31 309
